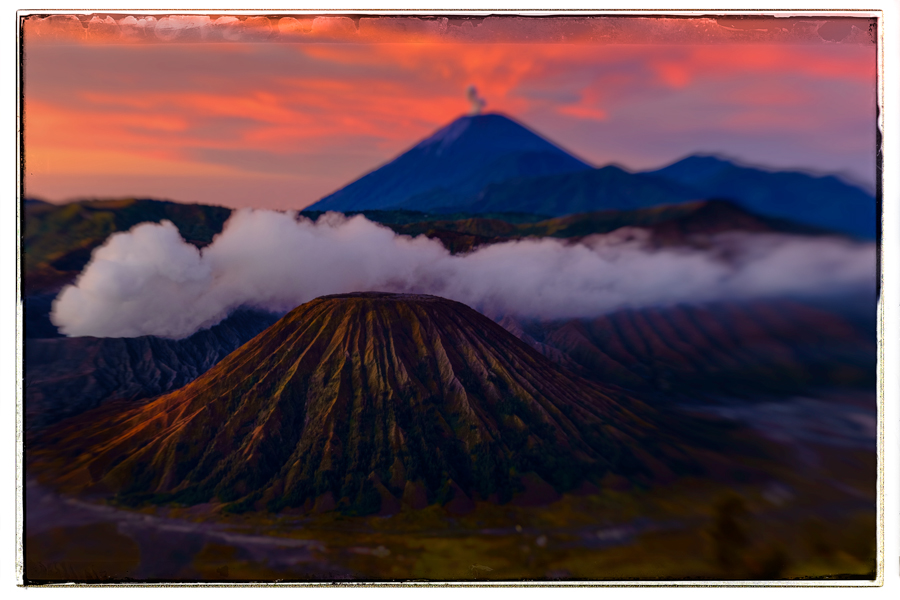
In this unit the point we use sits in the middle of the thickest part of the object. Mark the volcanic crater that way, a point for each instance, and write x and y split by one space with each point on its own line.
369 403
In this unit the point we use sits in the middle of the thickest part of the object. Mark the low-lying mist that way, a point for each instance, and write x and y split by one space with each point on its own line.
149 281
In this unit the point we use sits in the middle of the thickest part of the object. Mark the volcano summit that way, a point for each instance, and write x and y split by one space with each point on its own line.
365 402
451 166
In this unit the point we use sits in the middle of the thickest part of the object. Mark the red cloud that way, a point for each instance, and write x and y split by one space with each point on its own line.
213 103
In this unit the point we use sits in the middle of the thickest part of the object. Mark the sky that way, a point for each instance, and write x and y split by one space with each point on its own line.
277 112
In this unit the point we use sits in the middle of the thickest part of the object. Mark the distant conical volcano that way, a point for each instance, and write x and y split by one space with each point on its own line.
453 164
364 402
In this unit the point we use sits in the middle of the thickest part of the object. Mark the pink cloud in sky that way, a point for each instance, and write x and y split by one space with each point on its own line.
152 108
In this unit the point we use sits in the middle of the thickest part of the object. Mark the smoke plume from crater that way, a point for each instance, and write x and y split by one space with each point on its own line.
476 102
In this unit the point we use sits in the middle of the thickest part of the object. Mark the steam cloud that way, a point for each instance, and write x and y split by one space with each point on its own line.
149 281
476 103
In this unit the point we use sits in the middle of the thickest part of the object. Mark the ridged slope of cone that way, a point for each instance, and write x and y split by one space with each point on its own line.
360 402
729 348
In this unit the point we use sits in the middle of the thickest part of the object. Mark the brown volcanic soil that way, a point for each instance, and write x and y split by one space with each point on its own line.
366 402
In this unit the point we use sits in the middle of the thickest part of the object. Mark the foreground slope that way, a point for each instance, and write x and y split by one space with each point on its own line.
365 401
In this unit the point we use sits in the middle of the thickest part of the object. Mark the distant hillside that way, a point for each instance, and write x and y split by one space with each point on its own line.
825 202
669 225
67 376
608 188
58 239
726 348
822 202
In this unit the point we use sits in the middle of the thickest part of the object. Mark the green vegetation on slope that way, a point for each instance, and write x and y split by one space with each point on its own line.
57 240
671 224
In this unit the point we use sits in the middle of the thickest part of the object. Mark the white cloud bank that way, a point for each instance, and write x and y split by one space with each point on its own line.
148 281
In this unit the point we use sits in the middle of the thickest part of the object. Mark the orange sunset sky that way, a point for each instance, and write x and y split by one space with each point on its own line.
279 111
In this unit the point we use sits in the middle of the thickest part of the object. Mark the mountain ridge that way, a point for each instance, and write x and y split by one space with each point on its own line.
818 200
490 163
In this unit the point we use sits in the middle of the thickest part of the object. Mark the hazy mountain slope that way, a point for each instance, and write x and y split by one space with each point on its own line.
607 188
67 376
36 322
824 202
668 225
732 348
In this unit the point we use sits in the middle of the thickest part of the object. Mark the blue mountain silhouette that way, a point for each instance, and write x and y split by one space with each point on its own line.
453 165
820 201
492 164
